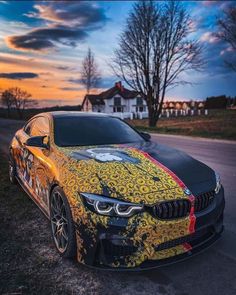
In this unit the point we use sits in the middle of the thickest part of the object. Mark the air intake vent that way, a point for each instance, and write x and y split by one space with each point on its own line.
201 234
203 201
111 249
172 209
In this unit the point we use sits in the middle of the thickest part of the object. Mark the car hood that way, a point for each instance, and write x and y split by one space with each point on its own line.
146 172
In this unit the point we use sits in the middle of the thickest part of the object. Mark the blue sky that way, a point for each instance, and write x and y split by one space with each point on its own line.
45 42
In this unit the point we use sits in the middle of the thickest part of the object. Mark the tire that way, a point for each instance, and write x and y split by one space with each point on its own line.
12 172
62 225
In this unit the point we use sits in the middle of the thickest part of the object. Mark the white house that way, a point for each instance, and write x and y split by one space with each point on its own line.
117 99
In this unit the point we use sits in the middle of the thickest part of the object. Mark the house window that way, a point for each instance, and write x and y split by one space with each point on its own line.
140 109
139 101
117 101
118 108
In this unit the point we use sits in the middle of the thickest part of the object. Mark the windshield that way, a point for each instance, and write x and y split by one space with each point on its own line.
80 131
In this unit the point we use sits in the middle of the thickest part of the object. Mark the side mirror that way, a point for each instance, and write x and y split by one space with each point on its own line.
145 135
37 141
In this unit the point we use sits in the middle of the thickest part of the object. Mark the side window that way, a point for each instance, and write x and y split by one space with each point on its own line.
40 127
37 127
28 127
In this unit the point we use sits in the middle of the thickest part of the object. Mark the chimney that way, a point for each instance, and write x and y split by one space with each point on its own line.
118 84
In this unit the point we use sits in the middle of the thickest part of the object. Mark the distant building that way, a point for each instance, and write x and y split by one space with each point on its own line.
126 103
117 99
183 105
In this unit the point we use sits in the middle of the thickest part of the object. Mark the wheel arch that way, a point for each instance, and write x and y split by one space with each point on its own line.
53 185
57 184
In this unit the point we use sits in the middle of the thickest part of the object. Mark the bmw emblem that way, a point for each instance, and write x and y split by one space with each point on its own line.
187 192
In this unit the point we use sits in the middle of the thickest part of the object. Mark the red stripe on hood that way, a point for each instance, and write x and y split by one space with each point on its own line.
187 246
180 183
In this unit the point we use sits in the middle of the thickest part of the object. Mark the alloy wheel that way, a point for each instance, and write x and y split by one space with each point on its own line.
59 222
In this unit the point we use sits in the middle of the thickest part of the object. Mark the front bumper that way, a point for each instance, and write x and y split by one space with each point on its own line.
143 242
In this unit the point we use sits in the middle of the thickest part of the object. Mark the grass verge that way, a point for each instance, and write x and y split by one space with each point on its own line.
218 124
23 237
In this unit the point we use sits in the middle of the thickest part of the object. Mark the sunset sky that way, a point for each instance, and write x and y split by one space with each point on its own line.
43 43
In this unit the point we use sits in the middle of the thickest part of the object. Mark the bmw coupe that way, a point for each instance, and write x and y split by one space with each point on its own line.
114 198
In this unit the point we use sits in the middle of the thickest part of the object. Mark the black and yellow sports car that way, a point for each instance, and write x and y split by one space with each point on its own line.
115 198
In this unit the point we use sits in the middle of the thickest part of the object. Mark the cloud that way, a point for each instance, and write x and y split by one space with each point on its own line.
76 13
74 81
65 23
218 3
227 4
18 76
210 3
71 88
45 38
65 68
214 56
229 58
226 50
209 37
105 82
46 74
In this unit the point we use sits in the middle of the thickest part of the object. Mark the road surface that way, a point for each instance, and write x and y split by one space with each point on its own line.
211 272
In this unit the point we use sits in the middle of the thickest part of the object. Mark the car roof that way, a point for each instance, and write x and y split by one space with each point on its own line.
77 114
62 114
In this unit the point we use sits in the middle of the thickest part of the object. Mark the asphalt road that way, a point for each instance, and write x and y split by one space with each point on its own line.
210 272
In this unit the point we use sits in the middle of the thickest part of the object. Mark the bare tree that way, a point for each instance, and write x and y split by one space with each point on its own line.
227 32
90 75
21 100
7 100
154 51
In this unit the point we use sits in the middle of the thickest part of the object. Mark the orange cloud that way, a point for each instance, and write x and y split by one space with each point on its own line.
51 81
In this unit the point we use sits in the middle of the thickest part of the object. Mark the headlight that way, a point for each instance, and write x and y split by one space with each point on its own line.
218 183
110 207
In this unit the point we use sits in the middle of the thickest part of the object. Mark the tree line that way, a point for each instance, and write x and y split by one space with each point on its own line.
220 102
18 99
